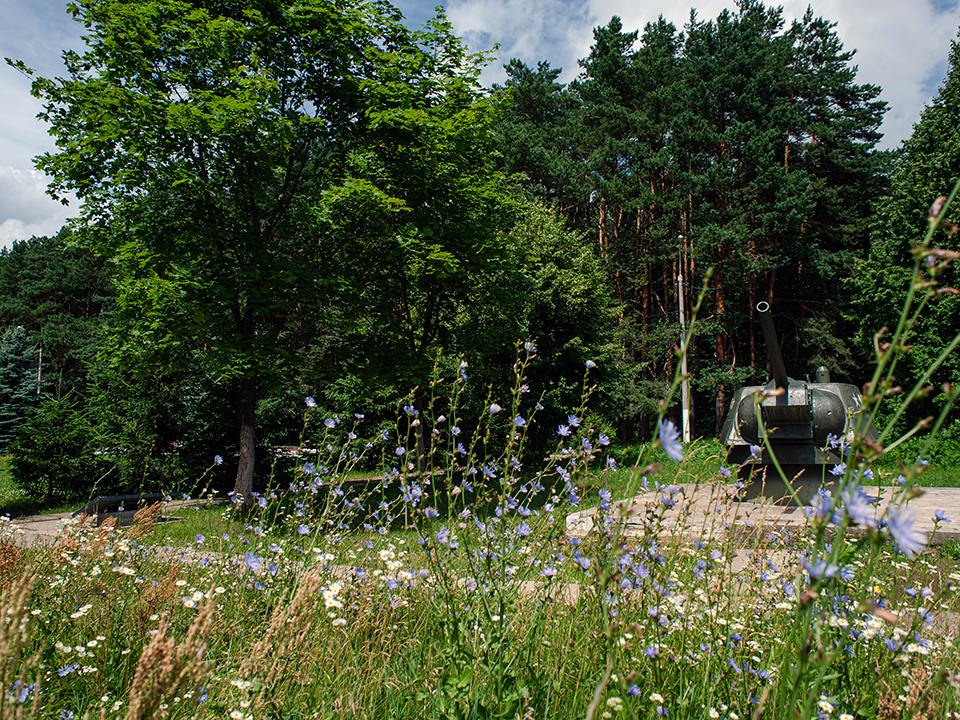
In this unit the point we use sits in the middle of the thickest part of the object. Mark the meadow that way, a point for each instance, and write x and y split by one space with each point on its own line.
449 586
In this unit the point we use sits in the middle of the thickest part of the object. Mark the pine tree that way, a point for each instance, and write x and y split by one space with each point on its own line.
740 145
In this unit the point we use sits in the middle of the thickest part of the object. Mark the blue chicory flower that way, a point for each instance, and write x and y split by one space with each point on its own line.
670 440
901 522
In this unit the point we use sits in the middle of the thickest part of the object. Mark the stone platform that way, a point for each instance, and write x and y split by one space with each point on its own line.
708 512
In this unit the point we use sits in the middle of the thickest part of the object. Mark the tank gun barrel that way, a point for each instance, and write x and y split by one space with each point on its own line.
777 367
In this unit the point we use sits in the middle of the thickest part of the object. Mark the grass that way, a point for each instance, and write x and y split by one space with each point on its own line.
377 625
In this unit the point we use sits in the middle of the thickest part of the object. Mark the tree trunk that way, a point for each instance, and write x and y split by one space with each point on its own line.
248 412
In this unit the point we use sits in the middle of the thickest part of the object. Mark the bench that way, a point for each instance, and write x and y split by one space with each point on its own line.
121 507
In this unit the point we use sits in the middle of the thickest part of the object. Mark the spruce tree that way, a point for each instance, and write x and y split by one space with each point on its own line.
18 381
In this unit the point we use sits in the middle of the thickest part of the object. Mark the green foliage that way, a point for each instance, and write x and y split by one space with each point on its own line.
925 170
18 382
290 163
741 145
59 293
54 457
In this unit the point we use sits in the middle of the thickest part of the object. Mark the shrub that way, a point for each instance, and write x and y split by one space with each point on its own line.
53 458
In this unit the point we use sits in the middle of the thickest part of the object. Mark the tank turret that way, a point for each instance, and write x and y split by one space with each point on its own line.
798 417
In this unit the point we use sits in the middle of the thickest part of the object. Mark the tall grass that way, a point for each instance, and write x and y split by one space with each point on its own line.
450 587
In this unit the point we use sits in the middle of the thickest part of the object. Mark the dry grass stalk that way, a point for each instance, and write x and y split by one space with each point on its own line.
290 625
916 698
144 519
14 636
166 664
9 557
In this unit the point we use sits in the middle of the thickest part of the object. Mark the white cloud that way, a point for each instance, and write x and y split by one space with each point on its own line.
902 47
25 209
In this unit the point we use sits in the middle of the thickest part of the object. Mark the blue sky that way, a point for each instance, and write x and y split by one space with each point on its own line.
902 45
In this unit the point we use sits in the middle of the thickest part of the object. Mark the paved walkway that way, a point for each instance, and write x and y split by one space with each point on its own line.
47 528
697 512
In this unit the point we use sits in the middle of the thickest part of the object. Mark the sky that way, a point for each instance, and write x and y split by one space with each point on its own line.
901 45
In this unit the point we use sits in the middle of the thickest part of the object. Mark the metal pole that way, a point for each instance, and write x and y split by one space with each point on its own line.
684 384
39 366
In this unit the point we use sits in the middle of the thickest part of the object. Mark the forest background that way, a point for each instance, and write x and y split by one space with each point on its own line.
312 200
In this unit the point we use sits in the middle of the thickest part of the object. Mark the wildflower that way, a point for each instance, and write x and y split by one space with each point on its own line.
524 388
603 440
443 536
67 669
330 423
530 347
523 529
611 463
310 402
651 651
431 513
573 421
604 498
494 409
712 712
725 472
755 451
941 516
657 698
591 364
901 523
858 507
303 530
519 422
820 569
633 690
199 539
454 431
548 571
253 562
670 440
217 460
821 507
826 705
563 431
838 470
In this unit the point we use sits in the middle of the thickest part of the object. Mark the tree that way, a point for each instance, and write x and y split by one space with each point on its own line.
926 167
216 150
18 381
740 145
59 294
